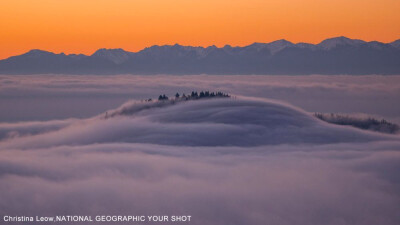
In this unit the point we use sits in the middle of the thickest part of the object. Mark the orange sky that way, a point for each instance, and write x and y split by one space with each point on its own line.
82 26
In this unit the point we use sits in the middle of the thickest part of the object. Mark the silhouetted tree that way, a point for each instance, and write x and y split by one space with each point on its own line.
162 97
363 123
194 95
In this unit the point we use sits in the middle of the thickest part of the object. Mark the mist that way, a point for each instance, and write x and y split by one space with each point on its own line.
229 161
27 98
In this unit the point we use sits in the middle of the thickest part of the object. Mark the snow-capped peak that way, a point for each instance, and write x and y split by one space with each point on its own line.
339 41
278 45
117 55
273 47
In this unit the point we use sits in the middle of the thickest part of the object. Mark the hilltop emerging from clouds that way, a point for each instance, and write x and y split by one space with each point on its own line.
339 55
220 160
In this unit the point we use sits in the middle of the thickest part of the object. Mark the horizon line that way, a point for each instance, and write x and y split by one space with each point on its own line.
197 46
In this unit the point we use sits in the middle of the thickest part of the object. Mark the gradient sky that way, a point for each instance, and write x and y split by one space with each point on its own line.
83 26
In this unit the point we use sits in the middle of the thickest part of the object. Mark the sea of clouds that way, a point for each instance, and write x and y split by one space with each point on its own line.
241 160
52 97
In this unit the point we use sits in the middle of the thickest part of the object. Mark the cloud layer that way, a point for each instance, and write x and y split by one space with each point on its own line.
225 161
62 96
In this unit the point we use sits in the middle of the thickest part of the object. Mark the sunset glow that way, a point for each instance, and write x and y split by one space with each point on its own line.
73 26
200 112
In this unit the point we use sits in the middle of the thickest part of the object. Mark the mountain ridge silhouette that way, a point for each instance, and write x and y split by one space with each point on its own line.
339 55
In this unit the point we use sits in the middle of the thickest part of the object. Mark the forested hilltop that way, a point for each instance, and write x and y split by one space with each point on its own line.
165 100
366 123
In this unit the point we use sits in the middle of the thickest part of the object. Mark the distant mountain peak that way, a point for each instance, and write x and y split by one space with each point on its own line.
281 42
330 43
396 43
116 55
108 50
278 45
38 53
257 45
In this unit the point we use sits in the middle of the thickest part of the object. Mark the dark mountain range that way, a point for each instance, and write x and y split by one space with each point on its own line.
339 55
